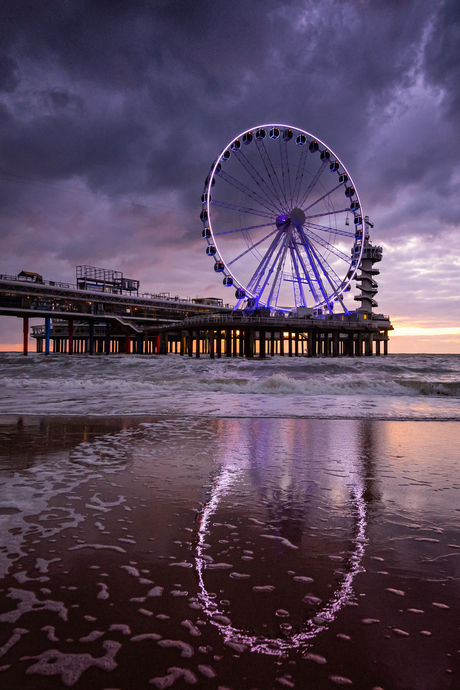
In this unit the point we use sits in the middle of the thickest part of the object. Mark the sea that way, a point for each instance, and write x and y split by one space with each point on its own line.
168 521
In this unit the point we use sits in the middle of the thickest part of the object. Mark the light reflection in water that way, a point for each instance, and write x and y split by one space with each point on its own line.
232 472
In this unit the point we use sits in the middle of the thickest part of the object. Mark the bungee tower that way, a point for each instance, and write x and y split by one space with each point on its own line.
366 278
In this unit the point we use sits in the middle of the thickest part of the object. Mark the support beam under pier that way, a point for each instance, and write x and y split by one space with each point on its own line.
47 335
25 336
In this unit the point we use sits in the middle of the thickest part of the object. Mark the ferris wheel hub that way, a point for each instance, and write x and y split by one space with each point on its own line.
297 217
282 219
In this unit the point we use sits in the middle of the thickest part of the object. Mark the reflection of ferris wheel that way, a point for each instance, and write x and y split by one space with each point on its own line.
241 639
276 207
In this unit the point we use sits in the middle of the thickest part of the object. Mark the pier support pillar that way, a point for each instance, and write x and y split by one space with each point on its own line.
262 343
107 338
128 344
47 335
335 344
385 344
314 343
228 342
310 343
139 345
198 345
219 343
290 343
272 342
70 337
282 343
369 344
249 343
91 337
25 336
241 343
211 343
377 348
359 345
351 345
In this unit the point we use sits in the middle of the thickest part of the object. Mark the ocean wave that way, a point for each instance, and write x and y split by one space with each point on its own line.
275 384
394 387
433 388
280 384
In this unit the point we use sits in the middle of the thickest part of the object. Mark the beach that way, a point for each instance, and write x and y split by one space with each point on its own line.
229 524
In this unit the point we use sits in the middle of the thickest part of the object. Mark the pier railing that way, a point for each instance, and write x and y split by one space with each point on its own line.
321 321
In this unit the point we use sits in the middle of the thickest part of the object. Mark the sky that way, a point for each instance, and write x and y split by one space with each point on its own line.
112 112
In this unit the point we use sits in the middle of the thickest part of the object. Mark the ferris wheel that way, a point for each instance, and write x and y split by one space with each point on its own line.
280 213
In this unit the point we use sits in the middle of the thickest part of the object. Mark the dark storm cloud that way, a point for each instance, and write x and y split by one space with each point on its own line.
190 73
442 55
8 73
111 102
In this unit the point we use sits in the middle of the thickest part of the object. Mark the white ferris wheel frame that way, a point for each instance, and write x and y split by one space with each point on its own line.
355 259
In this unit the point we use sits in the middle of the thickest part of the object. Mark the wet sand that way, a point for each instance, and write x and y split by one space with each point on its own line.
229 553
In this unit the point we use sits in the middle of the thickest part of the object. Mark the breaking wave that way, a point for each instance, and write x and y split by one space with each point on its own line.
393 386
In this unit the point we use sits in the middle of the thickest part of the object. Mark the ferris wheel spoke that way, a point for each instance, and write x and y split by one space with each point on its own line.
306 271
300 173
279 192
322 262
299 295
312 184
251 227
328 213
336 288
246 190
243 209
321 198
270 265
285 168
307 246
333 273
260 270
257 177
274 292
326 228
246 251
327 245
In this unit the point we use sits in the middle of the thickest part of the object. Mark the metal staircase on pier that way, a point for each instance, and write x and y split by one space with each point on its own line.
365 279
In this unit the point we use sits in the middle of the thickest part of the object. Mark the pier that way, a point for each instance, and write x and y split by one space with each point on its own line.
95 315
106 318
252 336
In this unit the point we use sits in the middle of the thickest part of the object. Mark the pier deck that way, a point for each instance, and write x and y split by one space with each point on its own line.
88 321
232 335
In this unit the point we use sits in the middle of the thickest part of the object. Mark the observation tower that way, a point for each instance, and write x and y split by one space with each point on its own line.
365 279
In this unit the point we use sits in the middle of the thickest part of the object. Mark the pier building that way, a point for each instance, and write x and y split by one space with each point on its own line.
102 312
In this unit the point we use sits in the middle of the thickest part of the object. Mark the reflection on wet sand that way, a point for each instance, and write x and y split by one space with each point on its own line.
236 553
288 488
